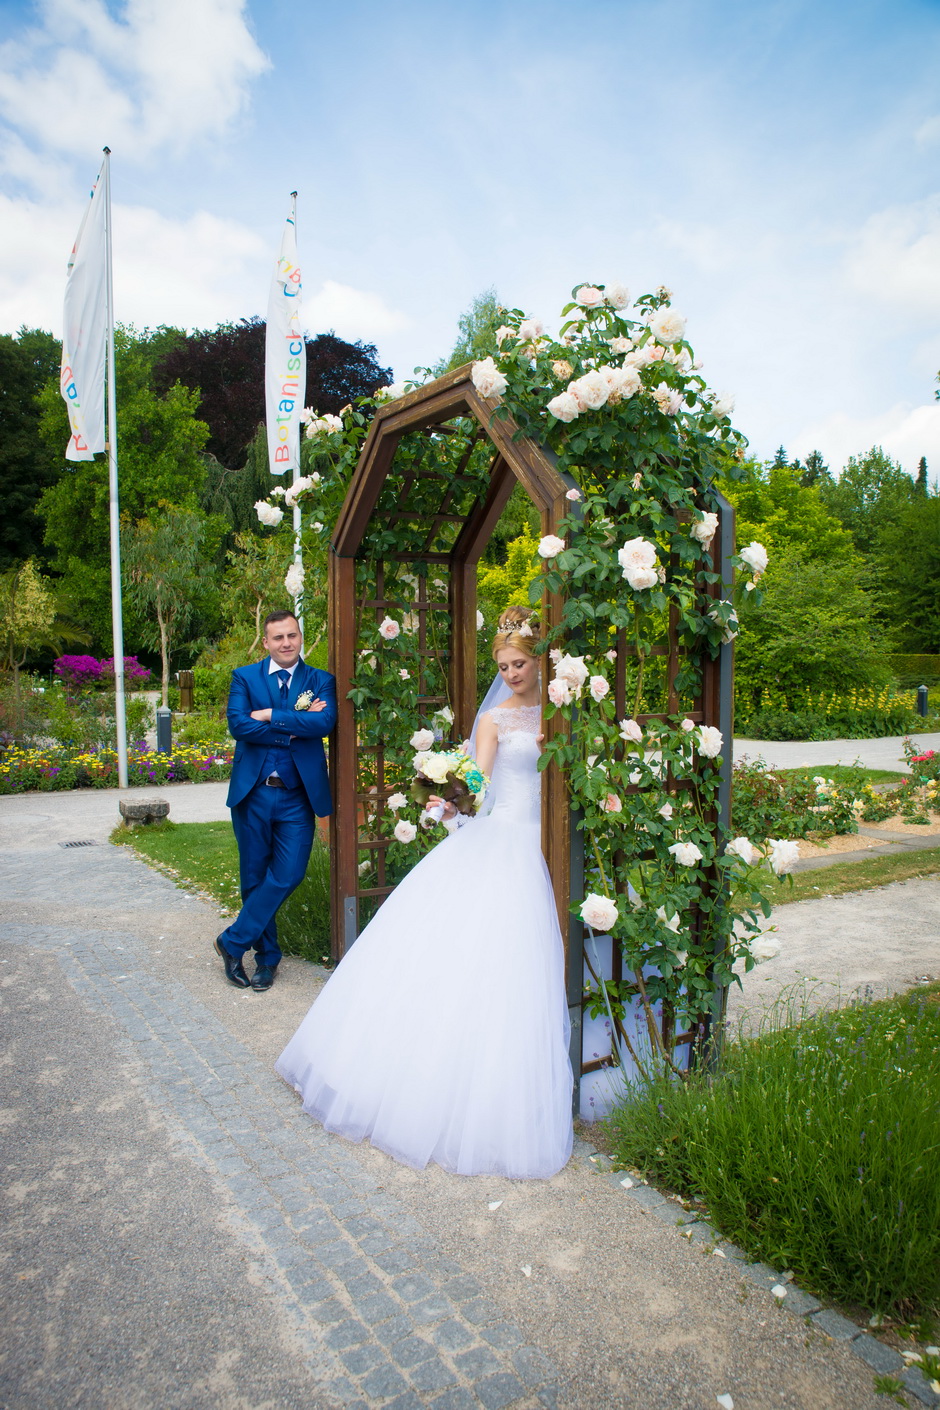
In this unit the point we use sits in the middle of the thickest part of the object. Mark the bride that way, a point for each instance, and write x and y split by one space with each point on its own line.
443 1034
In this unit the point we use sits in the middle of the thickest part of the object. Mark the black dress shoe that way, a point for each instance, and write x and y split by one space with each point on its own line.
234 970
263 976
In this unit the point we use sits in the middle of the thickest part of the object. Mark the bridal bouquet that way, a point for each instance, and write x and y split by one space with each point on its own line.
450 774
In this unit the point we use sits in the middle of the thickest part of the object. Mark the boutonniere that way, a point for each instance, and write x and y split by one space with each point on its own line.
304 700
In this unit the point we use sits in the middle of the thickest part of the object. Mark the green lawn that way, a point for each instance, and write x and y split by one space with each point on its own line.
203 858
844 877
847 773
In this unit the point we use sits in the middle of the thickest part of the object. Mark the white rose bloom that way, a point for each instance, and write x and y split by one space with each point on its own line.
573 495
723 405
445 714
590 391
641 578
686 853
688 726
704 529
502 333
610 655
598 912
559 692
571 669
550 546
268 513
667 326
709 741
621 345
294 579
405 831
783 855
389 628
364 867
674 923
729 629
422 739
637 553
589 297
530 329
742 847
763 948
666 811
667 399
598 687
617 295
564 407
755 556
629 729
479 621
488 379
396 801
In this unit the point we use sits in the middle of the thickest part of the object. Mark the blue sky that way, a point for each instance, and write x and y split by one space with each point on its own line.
776 165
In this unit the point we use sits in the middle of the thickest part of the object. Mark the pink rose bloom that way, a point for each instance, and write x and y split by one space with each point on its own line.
564 407
666 811
598 687
389 628
559 692
610 655
598 912
589 297
629 729
688 726
555 654
550 546
573 495
488 379
611 804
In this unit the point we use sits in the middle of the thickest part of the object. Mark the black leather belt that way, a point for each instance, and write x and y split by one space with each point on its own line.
273 781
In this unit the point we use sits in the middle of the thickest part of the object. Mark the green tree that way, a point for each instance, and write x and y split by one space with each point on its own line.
476 332
254 586
815 471
870 493
909 573
29 622
773 506
921 481
27 362
165 568
160 440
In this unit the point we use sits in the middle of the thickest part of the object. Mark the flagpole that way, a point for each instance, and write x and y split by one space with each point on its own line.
117 616
298 551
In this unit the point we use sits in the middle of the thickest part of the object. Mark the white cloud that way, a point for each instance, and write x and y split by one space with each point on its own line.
904 432
928 133
167 73
895 257
351 313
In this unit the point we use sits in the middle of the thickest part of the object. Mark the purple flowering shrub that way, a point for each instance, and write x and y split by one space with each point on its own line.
84 672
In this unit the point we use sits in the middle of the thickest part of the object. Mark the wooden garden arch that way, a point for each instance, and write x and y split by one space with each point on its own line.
523 461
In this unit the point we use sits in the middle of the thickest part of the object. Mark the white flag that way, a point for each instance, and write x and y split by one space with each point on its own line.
85 330
285 356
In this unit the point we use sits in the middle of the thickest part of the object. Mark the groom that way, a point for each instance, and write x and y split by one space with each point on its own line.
279 711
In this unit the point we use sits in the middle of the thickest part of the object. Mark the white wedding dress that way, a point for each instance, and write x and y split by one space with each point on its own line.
443 1034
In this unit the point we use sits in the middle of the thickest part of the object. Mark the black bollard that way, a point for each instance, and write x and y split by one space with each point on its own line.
922 701
164 730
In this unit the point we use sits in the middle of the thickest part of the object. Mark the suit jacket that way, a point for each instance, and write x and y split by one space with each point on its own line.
300 731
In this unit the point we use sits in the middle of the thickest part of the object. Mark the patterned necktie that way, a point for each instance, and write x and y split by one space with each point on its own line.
284 678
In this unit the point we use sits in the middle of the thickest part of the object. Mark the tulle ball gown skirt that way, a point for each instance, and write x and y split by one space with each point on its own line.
443 1034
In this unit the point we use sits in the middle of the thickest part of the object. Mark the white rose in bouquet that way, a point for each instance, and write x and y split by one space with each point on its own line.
436 767
422 739
488 379
268 513
667 326
550 546
564 407
598 912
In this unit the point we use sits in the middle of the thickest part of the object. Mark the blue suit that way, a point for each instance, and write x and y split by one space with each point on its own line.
274 827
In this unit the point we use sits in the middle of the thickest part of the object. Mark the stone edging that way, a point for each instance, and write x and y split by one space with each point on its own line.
882 1359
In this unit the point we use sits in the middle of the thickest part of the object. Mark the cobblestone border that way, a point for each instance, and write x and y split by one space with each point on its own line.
883 1360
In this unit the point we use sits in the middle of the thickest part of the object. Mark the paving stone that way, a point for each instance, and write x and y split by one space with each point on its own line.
348 1333
532 1366
502 1335
800 1302
455 1399
362 1359
376 1307
462 1289
550 1398
499 1390
384 1382
327 1311
835 1325
481 1310
761 1275
410 1351
479 1361
645 1196
879 1357
918 1386
396 1260
451 1336
392 1330
408 1401
432 1375
433 1309
412 1287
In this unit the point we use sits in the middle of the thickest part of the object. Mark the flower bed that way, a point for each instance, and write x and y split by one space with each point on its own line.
57 769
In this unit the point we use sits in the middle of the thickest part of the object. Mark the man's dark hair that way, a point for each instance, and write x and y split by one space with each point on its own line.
278 617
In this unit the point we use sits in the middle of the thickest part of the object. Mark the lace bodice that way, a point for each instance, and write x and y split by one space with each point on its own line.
516 782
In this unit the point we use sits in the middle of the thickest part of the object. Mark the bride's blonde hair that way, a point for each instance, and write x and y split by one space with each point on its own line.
518 628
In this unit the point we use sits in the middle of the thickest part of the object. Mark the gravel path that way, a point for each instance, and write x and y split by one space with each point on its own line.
176 1233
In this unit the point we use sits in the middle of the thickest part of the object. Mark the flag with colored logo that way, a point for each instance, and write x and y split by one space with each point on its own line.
285 356
85 327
